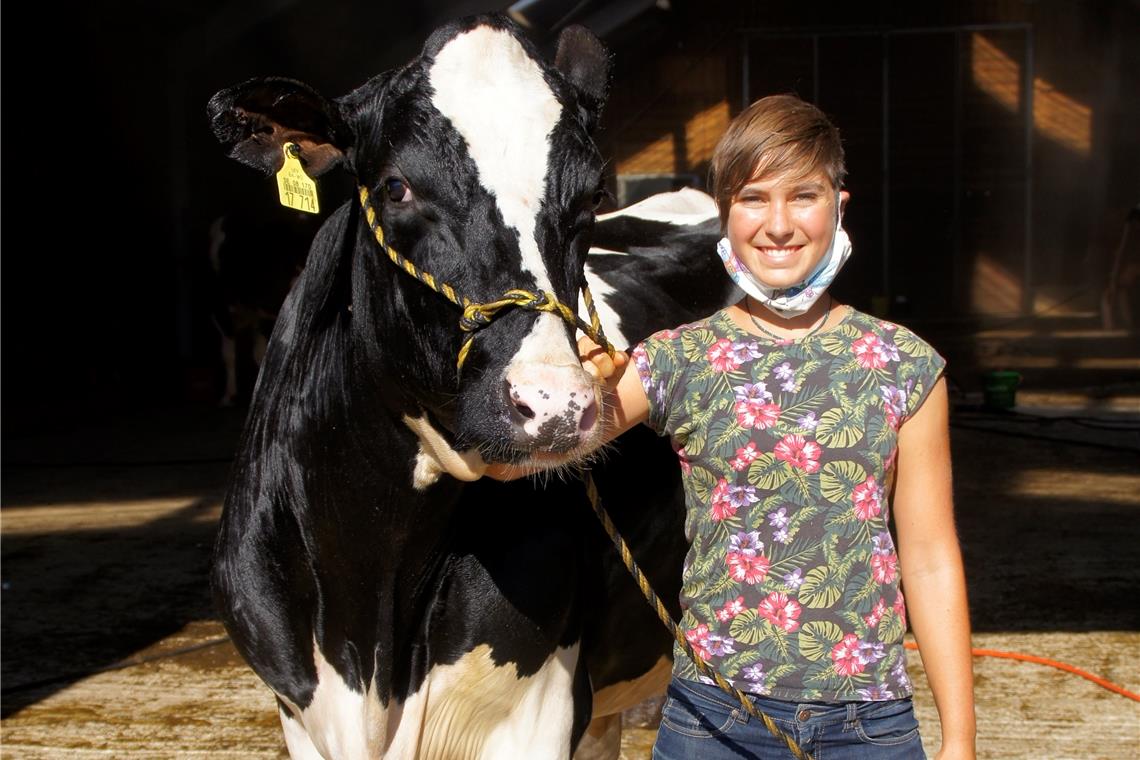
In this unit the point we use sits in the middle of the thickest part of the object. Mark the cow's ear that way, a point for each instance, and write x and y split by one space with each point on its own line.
256 118
585 62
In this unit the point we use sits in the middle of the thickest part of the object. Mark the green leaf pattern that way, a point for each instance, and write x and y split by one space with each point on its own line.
791 585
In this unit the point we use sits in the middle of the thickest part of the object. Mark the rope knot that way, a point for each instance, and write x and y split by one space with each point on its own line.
540 301
474 317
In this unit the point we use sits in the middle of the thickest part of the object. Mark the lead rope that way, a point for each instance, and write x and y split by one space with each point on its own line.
479 315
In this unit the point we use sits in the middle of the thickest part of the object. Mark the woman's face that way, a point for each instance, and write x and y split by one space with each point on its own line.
780 228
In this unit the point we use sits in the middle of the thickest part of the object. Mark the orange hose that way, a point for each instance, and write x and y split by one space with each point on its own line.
1051 663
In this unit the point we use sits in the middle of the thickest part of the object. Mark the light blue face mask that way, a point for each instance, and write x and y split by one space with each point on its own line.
793 301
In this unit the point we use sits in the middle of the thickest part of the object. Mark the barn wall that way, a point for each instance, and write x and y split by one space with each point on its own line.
960 209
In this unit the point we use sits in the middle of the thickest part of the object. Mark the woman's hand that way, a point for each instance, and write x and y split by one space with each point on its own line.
598 363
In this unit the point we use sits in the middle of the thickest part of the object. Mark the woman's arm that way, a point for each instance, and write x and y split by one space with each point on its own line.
932 573
623 399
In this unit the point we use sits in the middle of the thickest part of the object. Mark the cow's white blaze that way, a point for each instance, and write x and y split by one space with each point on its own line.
494 94
496 97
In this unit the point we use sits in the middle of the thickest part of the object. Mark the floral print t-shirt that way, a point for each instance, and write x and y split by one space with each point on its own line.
787 451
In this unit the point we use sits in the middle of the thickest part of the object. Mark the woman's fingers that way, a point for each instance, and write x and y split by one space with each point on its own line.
597 362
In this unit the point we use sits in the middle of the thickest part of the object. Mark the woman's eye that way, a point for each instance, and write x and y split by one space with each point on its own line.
398 190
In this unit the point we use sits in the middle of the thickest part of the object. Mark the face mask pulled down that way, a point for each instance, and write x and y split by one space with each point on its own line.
793 301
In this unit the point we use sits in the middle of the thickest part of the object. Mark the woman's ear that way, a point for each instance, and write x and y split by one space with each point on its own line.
844 196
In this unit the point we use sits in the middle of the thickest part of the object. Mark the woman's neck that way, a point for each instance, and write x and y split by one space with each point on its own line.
758 319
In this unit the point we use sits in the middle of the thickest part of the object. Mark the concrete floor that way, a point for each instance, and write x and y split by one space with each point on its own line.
111 648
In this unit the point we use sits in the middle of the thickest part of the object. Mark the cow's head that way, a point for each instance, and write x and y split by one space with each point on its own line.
480 164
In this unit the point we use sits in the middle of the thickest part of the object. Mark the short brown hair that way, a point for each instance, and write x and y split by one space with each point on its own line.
775 135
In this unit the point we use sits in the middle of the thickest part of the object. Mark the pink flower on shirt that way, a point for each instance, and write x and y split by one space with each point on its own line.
748 568
846 656
884 567
699 638
751 414
877 613
780 611
745 456
798 452
723 505
731 609
867 352
867 498
721 356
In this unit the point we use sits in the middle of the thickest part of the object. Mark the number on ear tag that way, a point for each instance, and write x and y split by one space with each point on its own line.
294 187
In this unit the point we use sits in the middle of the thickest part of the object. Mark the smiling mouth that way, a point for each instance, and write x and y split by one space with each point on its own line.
781 253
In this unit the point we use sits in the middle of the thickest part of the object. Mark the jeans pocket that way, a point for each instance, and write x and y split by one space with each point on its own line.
689 714
886 724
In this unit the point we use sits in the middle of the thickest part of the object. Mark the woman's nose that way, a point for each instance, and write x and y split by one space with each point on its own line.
779 220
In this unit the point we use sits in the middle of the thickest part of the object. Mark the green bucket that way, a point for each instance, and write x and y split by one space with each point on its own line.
999 389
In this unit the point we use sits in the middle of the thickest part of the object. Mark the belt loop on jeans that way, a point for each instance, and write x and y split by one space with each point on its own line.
852 715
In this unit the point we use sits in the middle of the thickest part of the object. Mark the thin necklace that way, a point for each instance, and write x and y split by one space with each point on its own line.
783 338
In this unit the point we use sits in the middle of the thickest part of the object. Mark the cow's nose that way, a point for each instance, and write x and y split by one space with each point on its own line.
551 408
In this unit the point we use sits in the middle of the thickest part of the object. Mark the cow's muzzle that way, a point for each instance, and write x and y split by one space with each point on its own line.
551 408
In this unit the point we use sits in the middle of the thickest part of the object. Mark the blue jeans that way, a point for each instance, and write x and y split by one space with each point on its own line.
701 722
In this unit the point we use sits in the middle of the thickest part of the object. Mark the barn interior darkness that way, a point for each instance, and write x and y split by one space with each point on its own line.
991 147
993 162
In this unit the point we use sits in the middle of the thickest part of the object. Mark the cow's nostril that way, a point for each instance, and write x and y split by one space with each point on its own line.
515 398
588 417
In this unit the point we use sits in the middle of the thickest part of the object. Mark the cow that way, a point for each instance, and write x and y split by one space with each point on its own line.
397 604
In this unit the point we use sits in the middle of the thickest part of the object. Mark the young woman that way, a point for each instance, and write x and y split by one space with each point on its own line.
800 424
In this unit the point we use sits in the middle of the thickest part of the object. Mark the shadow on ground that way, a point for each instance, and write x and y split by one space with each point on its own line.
106 544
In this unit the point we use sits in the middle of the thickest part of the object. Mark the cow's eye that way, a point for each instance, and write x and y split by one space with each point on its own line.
398 190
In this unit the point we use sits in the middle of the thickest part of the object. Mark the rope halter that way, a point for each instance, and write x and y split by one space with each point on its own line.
477 315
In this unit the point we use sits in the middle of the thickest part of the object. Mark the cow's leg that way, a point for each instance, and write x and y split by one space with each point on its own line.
297 739
602 740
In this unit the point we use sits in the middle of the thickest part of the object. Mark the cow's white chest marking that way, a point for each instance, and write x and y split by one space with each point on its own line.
495 95
470 710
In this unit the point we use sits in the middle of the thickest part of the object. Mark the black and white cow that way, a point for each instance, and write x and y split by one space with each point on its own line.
396 604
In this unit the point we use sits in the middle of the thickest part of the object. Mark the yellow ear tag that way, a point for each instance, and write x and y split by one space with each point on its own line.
294 187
